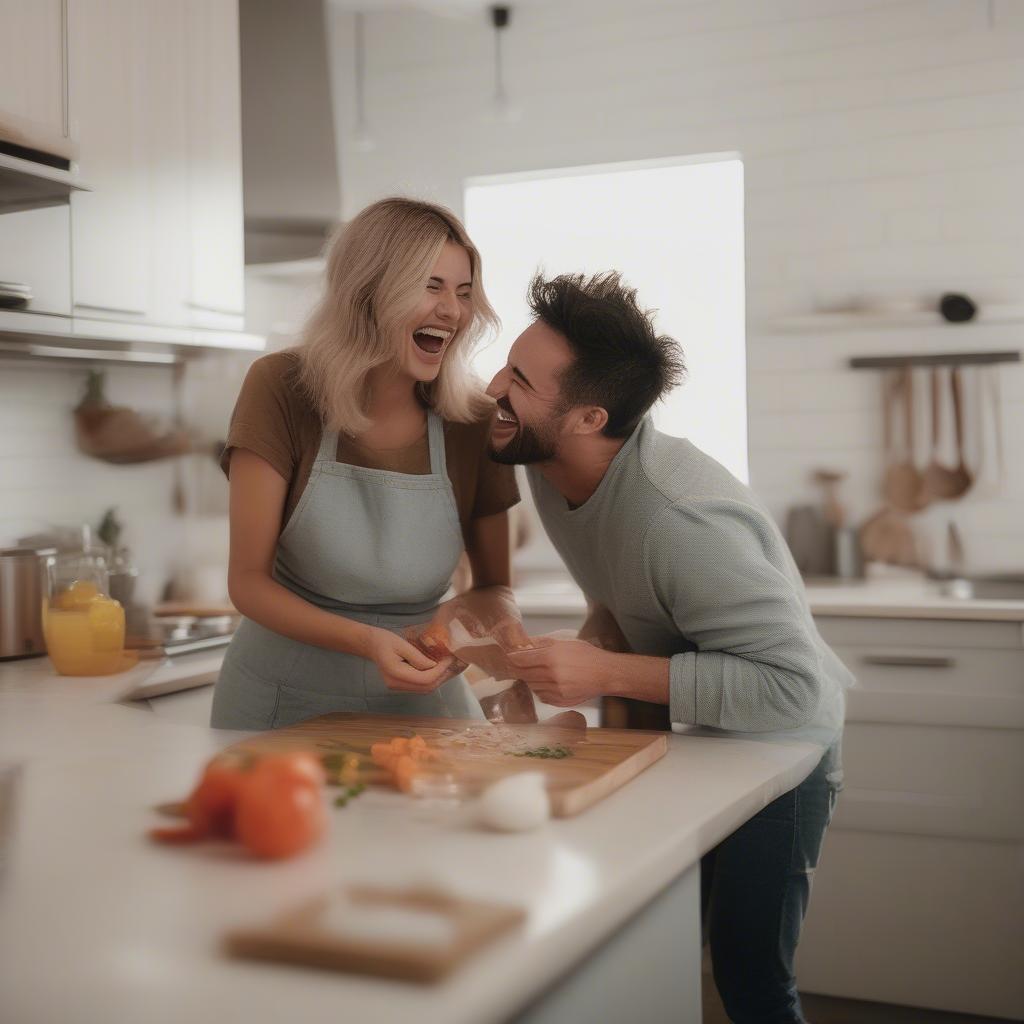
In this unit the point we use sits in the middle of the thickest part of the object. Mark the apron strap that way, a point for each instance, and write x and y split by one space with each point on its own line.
435 440
328 446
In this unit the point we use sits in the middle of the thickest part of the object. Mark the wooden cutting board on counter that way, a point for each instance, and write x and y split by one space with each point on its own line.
599 761
407 934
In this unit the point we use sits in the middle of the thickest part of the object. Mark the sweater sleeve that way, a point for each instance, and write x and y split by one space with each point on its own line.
719 568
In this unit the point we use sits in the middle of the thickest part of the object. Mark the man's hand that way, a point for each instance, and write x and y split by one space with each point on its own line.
564 673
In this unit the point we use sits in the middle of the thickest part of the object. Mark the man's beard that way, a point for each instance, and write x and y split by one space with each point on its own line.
525 447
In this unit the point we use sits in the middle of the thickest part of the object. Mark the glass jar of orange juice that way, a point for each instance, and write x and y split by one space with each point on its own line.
83 625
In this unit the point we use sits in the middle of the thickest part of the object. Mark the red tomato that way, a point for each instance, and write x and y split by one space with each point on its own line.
298 765
211 806
177 834
278 816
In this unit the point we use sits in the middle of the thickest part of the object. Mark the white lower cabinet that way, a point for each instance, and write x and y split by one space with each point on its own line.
918 920
919 897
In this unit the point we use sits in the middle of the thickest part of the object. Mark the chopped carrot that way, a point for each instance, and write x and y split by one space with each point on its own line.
382 754
436 641
404 771
401 756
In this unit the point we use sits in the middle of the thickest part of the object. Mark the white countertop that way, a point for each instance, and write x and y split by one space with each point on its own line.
912 597
898 598
98 925
36 677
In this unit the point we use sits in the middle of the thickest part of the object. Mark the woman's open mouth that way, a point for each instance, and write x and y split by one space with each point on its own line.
431 341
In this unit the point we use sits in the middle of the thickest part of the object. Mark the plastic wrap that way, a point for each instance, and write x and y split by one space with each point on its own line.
480 628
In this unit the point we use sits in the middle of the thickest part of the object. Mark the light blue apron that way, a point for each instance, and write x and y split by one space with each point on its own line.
375 546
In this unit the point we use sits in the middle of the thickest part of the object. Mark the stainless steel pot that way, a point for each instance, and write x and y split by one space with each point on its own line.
22 585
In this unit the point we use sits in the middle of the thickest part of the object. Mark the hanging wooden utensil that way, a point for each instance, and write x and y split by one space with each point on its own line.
902 484
178 499
961 478
995 405
887 536
938 482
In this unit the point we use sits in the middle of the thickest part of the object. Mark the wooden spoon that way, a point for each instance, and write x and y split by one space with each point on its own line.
902 484
887 536
961 479
937 481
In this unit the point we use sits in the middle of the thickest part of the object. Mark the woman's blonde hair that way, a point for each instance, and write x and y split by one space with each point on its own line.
377 268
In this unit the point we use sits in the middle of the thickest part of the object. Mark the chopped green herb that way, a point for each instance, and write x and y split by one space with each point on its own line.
349 793
545 752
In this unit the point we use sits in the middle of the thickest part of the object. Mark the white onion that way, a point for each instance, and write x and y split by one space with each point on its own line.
515 804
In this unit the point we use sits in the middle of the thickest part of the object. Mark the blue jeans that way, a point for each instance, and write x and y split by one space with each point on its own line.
755 887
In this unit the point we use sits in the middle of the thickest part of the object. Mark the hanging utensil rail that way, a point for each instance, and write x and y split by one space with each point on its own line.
934 359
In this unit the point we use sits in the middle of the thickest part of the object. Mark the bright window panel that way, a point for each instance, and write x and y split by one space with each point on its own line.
674 229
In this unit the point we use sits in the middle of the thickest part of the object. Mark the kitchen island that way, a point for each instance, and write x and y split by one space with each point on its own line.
99 925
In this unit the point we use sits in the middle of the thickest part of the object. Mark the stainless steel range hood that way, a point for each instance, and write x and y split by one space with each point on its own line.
289 162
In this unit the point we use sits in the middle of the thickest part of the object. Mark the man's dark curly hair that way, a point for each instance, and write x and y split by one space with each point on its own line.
621 362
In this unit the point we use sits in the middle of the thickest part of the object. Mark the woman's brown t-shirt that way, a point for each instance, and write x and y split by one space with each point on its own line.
274 418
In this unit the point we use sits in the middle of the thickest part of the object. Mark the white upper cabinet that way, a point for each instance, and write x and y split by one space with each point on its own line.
110 115
147 94
156 108
214 119
170 215
33 74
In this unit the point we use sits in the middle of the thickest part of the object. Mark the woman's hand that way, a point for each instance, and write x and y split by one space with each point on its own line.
402 666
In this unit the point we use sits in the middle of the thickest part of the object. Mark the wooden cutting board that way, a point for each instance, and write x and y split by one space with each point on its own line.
476 753
316 935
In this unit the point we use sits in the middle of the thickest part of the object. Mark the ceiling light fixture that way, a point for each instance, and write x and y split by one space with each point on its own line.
502 107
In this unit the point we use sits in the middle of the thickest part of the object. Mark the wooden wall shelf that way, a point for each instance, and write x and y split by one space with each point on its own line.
868 320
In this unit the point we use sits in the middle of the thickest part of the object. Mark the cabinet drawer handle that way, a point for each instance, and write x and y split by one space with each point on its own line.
909 660
110 309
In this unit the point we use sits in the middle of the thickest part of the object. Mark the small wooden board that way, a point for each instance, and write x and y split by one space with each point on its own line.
478 753
313 937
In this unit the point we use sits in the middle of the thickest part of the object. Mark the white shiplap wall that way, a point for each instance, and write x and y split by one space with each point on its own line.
884 152
45 481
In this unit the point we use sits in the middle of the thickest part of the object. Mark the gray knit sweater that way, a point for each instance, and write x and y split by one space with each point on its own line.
693 568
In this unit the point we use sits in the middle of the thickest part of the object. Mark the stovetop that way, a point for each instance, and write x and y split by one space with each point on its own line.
183 634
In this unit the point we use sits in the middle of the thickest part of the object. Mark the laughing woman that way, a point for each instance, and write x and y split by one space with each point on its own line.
359 472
